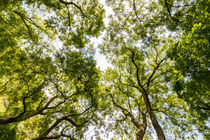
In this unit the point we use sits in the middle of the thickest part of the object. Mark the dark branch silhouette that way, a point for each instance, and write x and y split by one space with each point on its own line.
169 12
77 6
154 71
141 127
20 117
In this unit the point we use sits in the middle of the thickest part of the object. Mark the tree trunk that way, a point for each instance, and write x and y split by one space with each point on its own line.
142 128
157 127
140 134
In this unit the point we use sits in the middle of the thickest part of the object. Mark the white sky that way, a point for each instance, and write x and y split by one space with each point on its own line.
101 61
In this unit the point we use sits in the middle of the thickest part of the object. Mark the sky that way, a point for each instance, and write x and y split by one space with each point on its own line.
101 61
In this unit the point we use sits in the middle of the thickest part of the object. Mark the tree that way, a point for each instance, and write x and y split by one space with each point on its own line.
191 55
158 86
36 89
49 92
138 88
80 22
131 35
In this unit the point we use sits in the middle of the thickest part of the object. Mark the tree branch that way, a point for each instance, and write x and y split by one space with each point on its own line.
154 71
77 6
57 122
135 11
13 119
127 97
72 3
137 69
169 12
5 86
22 18
69 17
126 112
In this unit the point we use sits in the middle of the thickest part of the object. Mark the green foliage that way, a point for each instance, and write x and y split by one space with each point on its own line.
50 87
180 90
45 88
191 55
8 132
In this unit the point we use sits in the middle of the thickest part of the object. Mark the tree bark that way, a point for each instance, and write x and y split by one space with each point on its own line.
142 128
19 118
8 120
157 127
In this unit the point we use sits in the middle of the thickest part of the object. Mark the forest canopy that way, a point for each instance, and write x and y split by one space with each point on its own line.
157 87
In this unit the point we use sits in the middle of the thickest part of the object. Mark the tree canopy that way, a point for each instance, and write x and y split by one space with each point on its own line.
158 85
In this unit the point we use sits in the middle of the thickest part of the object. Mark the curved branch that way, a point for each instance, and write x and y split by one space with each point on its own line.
129 104
57 122
23 19
79 114
133 86
137 69
126 112
77 6
169 12
5 86
154 71
153 118
13 119
69 17
72 3
135 11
